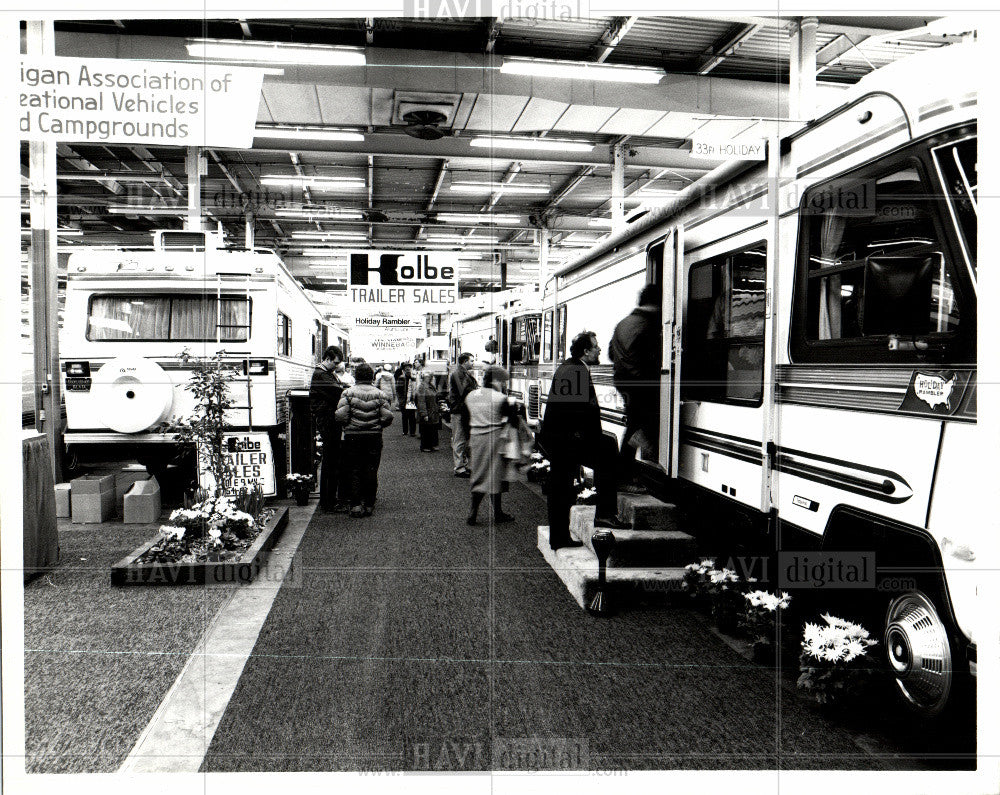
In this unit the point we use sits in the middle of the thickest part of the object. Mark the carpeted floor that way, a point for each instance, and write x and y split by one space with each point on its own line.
98 660
412 641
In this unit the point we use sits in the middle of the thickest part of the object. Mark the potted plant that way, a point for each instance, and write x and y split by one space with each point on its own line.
300 486
760 619
834 664
696 579
726 592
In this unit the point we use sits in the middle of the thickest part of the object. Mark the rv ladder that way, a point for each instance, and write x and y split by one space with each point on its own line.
219 325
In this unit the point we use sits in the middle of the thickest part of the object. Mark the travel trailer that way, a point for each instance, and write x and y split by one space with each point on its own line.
818 371
132 313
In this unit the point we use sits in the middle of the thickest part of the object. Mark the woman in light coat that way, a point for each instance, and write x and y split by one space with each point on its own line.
486 412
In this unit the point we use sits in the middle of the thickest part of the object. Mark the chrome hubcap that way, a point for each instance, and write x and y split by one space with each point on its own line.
919 652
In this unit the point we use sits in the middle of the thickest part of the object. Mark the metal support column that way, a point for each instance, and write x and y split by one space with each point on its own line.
193 167
802 69
248 230
618 188
503 270
543 258
40 41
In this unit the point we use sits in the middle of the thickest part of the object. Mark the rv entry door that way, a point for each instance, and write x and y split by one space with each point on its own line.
665 259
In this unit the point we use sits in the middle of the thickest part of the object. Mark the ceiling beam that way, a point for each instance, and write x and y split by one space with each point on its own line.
450 148
442 168
727 47
612 36
449 72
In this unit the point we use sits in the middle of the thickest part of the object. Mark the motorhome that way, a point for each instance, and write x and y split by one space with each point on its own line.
818 371
132 313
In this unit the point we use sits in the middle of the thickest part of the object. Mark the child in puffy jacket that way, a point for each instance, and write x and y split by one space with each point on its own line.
364 411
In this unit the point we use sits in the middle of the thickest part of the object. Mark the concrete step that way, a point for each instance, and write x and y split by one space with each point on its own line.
577 568
645 512
636 547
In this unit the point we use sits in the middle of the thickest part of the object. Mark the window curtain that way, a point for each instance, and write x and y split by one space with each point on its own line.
831 235
116 318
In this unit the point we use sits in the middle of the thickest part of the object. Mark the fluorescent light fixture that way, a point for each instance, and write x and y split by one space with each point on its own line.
327 235
537 144
307 134
576 70
339 266
319 214
275 52
477 218
146 210
490 187
326 252
316 182
603 223
112 176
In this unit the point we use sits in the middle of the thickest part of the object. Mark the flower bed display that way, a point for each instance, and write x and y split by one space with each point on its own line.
834 664
205 559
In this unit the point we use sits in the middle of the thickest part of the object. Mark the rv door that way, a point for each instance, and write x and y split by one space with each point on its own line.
670 368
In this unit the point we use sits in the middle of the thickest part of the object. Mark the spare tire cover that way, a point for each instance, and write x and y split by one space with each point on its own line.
134 394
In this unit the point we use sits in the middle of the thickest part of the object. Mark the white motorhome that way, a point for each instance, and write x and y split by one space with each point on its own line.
131 312
818 371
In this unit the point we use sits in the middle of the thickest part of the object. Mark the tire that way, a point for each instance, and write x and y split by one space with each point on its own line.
134 394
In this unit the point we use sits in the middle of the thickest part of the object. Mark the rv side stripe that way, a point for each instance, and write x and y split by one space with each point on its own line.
853 147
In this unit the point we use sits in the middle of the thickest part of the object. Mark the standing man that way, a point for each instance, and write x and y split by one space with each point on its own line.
636 349
571 436
324 395
460 383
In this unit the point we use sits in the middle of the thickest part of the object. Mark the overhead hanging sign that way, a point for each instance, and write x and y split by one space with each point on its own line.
403 280
381 324
111 100
716 147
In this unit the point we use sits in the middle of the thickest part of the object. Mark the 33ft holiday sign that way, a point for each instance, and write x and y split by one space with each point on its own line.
404 279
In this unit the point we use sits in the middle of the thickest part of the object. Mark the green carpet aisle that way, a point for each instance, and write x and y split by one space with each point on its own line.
409 640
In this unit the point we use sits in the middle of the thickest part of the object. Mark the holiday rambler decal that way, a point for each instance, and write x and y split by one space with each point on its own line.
938 392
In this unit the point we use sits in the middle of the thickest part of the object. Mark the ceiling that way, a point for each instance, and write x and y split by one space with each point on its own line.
727 75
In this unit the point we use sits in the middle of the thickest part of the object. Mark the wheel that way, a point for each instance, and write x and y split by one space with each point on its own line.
920 653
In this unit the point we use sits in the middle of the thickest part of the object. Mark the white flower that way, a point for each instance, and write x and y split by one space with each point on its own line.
832 653
215 532
172 531
755 598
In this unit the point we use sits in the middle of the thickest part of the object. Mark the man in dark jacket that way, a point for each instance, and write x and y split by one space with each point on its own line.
571 436
635 349
460 383
324 395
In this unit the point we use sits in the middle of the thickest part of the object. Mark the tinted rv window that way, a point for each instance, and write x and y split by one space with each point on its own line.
151 318
724 329
876 274
957 165
526 332
284 335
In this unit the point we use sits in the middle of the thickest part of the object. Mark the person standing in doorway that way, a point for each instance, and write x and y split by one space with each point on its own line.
460 383
571 437
635 350
364 411
324 395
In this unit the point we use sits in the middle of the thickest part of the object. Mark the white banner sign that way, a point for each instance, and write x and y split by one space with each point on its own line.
110 100
403 280
384 347
252 462
707 147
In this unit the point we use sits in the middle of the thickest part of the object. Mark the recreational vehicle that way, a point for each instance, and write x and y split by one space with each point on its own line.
818 370
132 313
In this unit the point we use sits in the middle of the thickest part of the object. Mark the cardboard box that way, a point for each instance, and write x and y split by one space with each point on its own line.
62 500
93 484
142 502
123 482
91 508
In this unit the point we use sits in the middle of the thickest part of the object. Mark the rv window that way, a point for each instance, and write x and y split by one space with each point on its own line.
525 333
560 337
959 173
724 331
284 335
547 336
874 266
150 318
